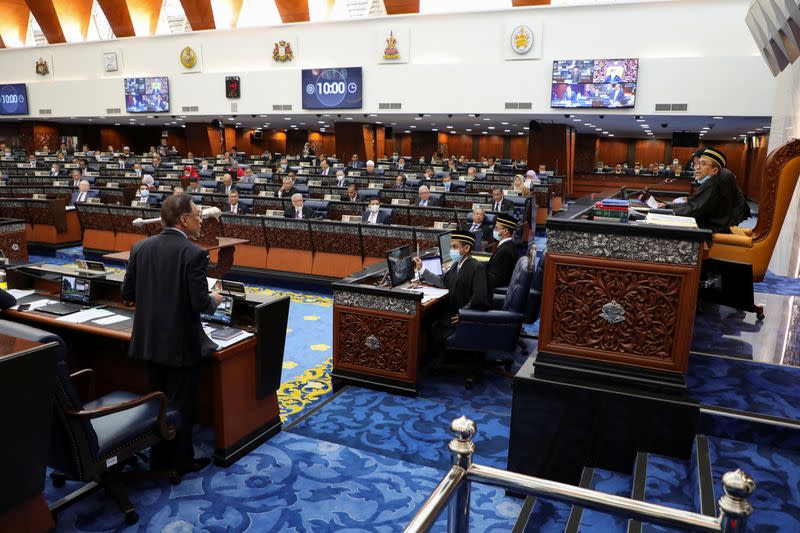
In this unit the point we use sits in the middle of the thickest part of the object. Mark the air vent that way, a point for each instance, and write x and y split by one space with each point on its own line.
390 105
190 109
663 107
112 110
680 107
519 105
282 107
45 111
234 107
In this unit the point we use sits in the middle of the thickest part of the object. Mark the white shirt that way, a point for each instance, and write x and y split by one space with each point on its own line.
373 218
179 231
81 197
298 212
423 203
503 240
235 208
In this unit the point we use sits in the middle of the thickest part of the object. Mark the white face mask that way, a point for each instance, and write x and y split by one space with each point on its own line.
374 208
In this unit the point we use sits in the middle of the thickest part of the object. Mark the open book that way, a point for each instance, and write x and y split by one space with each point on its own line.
670 220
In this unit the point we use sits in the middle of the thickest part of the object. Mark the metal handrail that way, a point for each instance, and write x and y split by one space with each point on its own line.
733 505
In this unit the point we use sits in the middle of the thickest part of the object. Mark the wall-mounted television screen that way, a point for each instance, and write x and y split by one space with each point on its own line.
332 88
147 95
606 83
13 99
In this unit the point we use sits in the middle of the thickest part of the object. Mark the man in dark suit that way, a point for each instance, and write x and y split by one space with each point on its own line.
355 163
617 96
500 204
32 162
166 278
83 193
75 178
424 198
491 163
465 281
298 210
352 193
55 170
501 264
479 224
325 168
287 189
226 185
234 205
373 213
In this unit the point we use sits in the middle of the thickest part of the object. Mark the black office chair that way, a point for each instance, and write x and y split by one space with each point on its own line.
534 303
498 329
93 442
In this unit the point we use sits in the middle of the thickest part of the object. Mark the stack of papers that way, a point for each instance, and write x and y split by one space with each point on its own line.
670 220
20 293
225 343
85 316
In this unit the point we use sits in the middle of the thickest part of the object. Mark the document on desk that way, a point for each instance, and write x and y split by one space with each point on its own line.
20 293
111 319
652 203
429 293
225 343
212 282
85 316
670 220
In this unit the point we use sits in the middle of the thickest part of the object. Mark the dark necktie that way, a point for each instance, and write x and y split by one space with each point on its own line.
497 206
474 228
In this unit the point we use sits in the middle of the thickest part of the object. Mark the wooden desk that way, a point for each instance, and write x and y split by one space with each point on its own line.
27 383
225 250
618 307
378 333
237 392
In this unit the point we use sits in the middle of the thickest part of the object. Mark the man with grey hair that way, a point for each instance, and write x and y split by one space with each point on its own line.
298 210
479 223
341 181
424 198
226 185
83 193
287 189
472 173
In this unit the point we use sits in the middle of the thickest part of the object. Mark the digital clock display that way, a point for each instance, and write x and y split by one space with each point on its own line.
13 99
332 88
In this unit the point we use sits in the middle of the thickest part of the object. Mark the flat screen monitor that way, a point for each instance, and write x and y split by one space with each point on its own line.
594 83
13 99
223 314
434 264
332 88
75 290
401 267
444 251
147 95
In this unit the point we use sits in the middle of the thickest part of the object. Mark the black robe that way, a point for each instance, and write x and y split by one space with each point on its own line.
712 205
501 265
466 286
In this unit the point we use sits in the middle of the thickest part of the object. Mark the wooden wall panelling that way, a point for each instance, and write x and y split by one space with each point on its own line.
610 152
197 139
518 147
755 167
400 7
350 140
585 152
369 140
380 140
118 16
74 16
648 151
490 145
295 141
323 143
423 143
230 137
548 145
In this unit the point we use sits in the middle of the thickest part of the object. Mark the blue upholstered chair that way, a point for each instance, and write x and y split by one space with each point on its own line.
488 217
206 174
208 184
365 195
498 329
244 188
94 441
320 207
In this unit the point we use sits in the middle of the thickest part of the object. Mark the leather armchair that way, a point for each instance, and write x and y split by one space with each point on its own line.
94 441
498 329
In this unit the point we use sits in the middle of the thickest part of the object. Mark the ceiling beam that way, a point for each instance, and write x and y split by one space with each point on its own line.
45 14
14 22
523 3
293 10
226 13
199 14
401 7
118 16
144 16
74 16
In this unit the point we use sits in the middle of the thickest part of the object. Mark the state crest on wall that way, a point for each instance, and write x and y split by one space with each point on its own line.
188 57
282 52
41 67
522 39
391 51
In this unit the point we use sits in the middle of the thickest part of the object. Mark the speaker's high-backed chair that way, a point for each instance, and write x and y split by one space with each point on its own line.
755 247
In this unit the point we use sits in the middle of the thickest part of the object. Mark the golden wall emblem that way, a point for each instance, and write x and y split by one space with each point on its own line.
188 57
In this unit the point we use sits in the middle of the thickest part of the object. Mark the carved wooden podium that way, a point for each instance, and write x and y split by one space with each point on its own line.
618 307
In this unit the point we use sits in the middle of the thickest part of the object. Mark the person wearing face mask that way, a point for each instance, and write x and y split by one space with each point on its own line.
32 162
715 204
283 167
373 213
55 170
447 182
204 165
501 264
465 280
341 180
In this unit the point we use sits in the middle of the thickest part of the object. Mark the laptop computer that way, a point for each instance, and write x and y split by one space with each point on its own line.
401 267
75 296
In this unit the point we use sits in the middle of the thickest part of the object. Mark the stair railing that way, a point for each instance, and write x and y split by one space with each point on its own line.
453 492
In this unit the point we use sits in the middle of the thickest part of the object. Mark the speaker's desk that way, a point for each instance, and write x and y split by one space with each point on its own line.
225 249
379 332
238 389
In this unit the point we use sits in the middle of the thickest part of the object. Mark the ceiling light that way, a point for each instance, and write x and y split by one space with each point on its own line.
520 133
717 118
434 129
577 120
348 118
284 118
605 133
751 132
412 126
484 132
526 128
408 131
471 115
426 115
598 129
640 120
469 129
487 119
504 123
507 131
116 123
417 118
150 116
491 127
449 127
101 117
610 134
394 123
132 119
476 124
373 115
320 122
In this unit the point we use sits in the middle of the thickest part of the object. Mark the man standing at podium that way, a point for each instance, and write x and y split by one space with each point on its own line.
166 279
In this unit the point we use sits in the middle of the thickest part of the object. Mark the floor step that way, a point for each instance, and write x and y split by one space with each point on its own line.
610 483
669 483
548 517
776 500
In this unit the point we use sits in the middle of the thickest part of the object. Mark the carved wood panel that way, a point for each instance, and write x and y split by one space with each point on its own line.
374 342
617 310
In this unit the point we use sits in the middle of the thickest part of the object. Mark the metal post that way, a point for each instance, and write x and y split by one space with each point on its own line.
461 449
733 505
